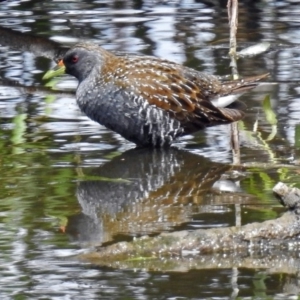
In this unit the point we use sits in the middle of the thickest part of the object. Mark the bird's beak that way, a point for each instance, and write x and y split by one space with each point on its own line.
58 70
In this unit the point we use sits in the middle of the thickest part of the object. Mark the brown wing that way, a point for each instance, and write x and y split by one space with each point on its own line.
183 92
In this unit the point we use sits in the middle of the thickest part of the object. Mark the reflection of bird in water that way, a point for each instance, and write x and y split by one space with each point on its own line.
147 100
143 191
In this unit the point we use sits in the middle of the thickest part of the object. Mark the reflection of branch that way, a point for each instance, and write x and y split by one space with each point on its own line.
284 262
39 46
32 89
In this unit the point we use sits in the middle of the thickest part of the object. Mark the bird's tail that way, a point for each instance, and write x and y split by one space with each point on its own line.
244 84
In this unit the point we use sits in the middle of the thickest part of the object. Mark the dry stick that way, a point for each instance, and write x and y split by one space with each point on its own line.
232 7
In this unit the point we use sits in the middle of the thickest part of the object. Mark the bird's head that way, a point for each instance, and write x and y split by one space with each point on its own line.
79 61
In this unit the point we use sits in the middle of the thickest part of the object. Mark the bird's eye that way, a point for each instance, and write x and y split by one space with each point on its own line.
74 59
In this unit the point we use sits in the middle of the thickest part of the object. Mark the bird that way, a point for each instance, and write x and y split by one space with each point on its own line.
148 100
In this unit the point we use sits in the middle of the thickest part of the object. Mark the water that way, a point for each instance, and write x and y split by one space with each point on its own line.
68 185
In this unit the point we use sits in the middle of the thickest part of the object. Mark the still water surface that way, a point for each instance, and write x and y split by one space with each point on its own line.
68 184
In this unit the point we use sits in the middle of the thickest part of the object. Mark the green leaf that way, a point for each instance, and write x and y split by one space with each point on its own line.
270 115
56 71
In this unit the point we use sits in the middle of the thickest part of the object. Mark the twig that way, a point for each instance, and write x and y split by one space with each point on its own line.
232 7
235 144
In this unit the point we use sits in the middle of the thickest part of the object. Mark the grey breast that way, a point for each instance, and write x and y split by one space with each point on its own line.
128 114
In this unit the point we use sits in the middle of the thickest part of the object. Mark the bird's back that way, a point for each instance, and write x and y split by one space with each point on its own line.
151 101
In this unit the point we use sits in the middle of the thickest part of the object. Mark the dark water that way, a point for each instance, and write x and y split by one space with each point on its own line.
68 184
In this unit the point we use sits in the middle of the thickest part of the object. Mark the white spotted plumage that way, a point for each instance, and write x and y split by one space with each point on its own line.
151 101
